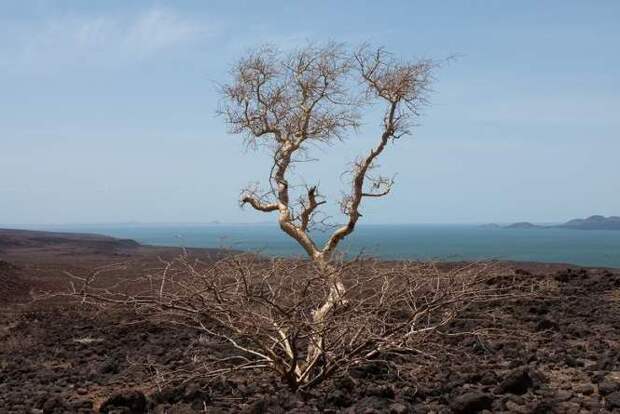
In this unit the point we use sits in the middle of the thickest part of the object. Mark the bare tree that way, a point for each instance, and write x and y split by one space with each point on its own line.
316 95
307 319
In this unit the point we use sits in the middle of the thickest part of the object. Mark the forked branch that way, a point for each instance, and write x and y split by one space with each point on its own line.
316 95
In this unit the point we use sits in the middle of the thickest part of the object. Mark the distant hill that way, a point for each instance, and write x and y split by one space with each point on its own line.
27 240
19 246
523 225
591 223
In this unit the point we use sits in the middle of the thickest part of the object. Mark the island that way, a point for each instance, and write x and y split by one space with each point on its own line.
596 222
523 225
593 223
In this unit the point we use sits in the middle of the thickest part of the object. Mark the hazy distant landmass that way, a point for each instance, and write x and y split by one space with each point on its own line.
596 222
523 225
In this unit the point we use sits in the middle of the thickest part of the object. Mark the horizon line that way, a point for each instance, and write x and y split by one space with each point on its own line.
241 223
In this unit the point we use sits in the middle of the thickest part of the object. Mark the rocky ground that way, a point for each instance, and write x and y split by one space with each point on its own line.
557 352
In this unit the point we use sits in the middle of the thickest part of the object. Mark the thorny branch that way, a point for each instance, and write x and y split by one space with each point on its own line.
264 309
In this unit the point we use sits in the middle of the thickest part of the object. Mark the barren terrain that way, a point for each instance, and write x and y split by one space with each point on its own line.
556 352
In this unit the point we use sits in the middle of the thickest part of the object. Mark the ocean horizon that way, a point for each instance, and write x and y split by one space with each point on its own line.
443 242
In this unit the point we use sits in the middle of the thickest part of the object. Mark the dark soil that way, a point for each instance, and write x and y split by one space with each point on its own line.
12 287
553 353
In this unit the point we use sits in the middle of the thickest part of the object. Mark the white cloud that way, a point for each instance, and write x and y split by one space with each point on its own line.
107 40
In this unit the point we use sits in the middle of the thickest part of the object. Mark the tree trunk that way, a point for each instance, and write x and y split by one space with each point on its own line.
334 298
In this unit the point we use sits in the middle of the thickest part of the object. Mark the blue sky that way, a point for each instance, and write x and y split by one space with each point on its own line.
107 109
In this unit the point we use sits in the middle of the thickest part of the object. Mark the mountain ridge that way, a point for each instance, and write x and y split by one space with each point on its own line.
594 222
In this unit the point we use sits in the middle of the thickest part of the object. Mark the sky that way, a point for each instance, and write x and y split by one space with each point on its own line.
108 109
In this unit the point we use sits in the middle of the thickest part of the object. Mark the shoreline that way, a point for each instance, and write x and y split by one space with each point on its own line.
36 245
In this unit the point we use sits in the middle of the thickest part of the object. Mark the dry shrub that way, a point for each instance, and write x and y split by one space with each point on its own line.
264 309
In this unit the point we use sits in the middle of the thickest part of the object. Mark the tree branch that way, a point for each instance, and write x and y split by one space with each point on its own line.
258 205
308 210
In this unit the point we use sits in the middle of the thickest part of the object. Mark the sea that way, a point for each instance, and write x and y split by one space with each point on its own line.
599 248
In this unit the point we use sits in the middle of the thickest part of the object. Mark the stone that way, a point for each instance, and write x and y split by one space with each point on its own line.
613 400
383 391
513 407
399 408
471 402
488 378
563 395
607 387
339 398
569 407
585 389
134 401
54 405
516 382
546 324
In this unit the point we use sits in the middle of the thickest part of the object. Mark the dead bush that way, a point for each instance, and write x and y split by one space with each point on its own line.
265 310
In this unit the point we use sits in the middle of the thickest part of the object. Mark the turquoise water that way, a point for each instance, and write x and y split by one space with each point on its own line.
442 242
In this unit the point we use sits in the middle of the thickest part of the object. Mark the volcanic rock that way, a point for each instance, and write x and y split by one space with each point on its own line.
129 401
471 402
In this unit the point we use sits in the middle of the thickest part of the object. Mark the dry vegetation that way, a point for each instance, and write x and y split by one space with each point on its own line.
551 351
289 102
265 309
